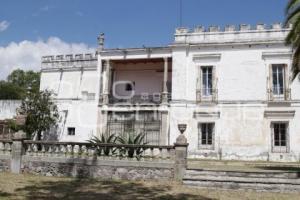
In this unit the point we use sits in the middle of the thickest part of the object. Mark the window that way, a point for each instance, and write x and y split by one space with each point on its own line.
206 135
278 79
206 80
130 86
280 137
71 131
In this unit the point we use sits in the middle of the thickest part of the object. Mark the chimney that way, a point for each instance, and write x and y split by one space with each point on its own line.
101 41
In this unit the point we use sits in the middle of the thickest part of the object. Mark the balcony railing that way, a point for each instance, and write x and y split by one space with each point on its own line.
145 98
279 95
204 95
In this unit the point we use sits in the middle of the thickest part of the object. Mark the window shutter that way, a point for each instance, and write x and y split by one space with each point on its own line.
286 83
198 84
214 77
270 87
287 138
272 137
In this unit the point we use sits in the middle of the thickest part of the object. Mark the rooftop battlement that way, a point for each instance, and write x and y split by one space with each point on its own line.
230 33
68 58
69 61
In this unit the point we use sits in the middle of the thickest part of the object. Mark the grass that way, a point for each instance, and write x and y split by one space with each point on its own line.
39 187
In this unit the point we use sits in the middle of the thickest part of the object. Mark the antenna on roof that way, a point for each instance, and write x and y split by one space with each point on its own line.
180 13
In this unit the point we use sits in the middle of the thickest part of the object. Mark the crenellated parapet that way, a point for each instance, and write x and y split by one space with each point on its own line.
69 61
231 33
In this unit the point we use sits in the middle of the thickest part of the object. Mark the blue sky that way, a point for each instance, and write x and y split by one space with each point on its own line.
126 23
30 29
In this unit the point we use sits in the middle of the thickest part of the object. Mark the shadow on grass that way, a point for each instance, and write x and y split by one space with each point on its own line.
280 168
95 189
4 194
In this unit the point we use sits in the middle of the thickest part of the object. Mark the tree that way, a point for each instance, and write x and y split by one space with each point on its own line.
18 83
10 91
293 38
40 111
25 79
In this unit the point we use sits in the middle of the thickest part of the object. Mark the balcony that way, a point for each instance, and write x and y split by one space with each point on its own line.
136 81
207 96
279 95
143 99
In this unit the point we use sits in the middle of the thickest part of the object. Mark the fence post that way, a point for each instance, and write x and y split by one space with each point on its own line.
17 152
181 146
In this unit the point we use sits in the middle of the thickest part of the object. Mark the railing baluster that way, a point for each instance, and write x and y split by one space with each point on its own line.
89 151
152 153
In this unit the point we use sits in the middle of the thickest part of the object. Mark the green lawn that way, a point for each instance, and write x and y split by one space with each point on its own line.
39 187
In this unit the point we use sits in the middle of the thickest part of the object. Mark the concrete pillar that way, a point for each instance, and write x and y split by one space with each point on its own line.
181 146
17 152
164 128
106 83
100 84
165 81
104 116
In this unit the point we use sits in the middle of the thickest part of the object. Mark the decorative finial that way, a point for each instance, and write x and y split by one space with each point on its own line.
101 41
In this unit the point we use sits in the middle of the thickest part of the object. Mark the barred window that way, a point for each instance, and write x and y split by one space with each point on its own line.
206 135
280 137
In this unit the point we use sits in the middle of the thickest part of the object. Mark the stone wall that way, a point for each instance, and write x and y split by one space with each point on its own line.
105 169
4 163
105 161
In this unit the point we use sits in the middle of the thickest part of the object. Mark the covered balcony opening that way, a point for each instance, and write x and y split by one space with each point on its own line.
147 123
138 81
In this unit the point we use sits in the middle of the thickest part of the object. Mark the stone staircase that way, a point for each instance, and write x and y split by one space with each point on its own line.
279 181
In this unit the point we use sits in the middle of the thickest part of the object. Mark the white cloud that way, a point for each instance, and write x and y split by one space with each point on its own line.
27 55
4 25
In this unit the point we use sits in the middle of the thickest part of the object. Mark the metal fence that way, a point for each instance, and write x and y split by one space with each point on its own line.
124 123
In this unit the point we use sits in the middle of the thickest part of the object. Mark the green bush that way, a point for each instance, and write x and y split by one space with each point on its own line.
132 139
104 139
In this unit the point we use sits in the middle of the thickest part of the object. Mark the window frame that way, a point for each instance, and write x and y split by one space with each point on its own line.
206 91
201 95
200 139
277 87
279 148
285 79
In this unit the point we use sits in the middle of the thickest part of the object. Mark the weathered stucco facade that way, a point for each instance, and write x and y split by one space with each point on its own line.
232 88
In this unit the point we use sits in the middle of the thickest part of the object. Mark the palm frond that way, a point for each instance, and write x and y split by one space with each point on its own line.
292 15
294 33
291 5
296 63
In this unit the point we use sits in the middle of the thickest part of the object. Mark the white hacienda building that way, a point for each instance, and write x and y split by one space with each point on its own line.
232 88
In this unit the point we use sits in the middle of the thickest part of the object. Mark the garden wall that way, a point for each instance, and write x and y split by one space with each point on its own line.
107 169
4 163
85 160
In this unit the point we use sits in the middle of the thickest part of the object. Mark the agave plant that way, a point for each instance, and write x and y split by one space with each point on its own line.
104 139
132 139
